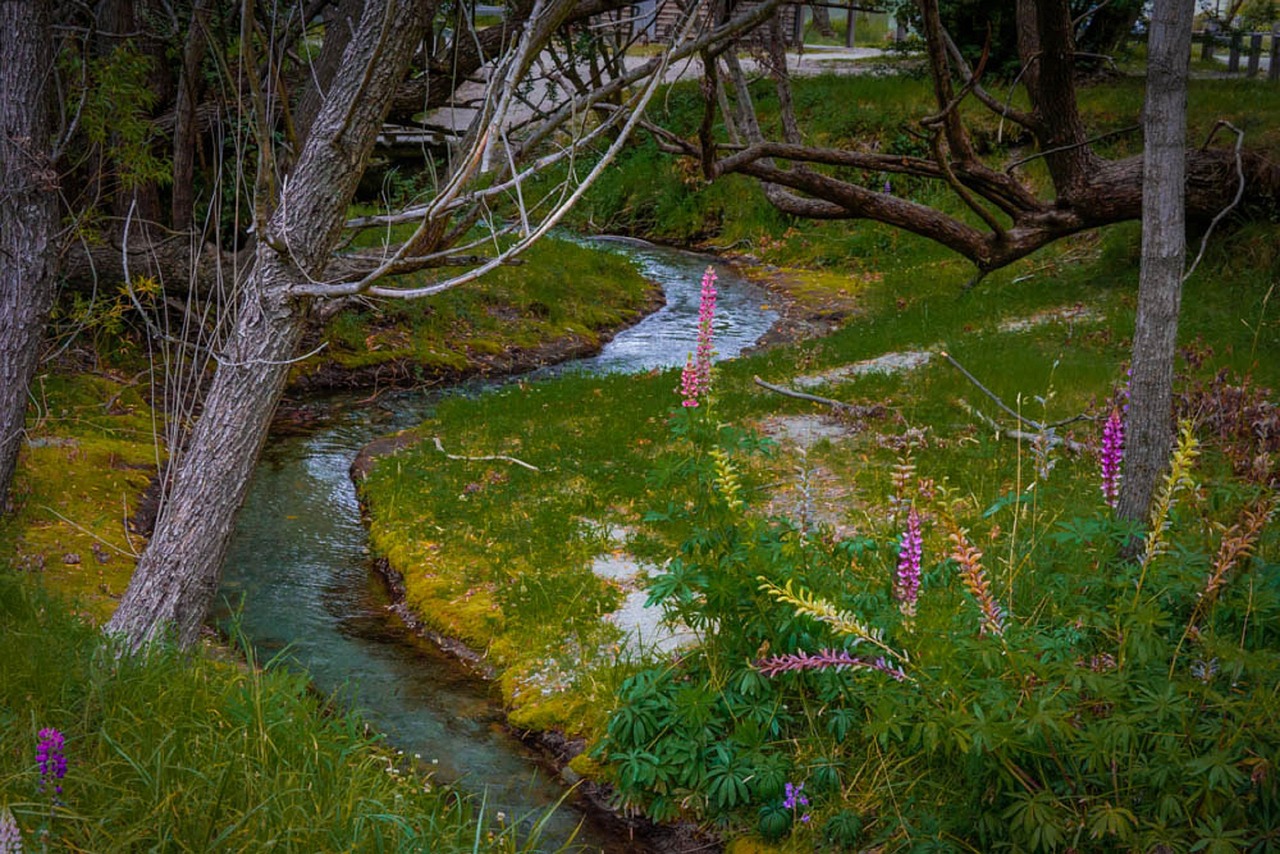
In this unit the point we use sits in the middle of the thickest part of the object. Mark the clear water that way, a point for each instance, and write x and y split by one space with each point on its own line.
298 569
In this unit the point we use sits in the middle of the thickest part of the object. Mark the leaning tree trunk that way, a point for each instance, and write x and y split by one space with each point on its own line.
177 577
28 214
1149 432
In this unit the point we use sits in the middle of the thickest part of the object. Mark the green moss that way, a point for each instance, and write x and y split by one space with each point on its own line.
91 453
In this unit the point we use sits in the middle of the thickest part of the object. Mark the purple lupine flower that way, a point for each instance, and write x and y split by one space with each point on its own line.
10 833
695 379
888 187
795 799
1112 457
823 660
910 551
51 759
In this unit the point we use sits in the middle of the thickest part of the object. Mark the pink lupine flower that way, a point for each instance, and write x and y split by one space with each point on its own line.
824 660
910 551
695 380
1112 457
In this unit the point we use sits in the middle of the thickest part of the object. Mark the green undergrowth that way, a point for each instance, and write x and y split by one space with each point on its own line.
652 194
89 454
561 292
500 555
187 752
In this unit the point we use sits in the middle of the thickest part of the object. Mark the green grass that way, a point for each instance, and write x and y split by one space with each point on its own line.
560 292
183 752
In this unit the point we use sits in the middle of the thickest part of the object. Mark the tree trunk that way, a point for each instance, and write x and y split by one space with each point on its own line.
177 577
28 214
186 132
1149 431
821 20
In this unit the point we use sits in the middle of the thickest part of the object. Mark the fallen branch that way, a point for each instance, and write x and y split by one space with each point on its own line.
1044 435
873 411
440 448
1030 422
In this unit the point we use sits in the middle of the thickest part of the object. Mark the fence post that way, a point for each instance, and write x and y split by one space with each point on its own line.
1273 73
1255 53
1233 61
798 24
850 17
1206 50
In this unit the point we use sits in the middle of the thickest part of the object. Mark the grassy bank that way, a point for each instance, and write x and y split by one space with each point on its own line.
561 299
502 556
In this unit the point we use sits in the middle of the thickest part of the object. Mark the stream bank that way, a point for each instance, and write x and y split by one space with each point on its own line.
299 568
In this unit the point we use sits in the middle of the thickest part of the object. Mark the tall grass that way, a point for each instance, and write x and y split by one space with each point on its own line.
192 752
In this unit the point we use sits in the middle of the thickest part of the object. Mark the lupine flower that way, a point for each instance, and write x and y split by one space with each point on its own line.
796 800
975 581
910 551
689 383
10 833
826 659
695 380
52 761
1112 457
888 187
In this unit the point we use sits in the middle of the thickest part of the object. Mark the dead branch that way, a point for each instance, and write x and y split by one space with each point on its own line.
1030 422
486 458
1044 435
856 410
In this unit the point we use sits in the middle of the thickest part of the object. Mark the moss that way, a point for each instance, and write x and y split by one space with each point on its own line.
90 455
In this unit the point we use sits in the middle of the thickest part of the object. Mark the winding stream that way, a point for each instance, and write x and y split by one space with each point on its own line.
298 569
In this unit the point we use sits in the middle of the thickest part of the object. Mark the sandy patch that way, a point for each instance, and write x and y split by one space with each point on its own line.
889 363
1078 313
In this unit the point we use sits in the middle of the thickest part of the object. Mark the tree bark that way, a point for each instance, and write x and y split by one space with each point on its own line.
177 577
28 214
186 131
1149 432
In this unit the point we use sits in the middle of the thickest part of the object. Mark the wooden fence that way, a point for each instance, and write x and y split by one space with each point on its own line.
1251 47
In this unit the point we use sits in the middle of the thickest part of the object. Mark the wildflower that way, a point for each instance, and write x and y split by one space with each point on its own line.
888 187
827 659
727 481
52 761
975 581
910 551
689 383
695 379
10 833
1112 457
795 799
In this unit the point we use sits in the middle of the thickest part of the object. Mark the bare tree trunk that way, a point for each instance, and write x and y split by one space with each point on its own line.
28 214
177 577
186 133
1149 431
821 20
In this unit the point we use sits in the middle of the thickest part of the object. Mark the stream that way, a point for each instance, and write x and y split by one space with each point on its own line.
298 569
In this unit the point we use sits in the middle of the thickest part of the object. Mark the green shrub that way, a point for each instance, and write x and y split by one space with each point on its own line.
1049 695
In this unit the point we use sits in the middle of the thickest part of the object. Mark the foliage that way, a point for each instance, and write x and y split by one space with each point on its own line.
1058 698
188 752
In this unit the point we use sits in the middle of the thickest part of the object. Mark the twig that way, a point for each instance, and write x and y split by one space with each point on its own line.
852 409
1053 438
440 448
1204 241
1030 422
87 532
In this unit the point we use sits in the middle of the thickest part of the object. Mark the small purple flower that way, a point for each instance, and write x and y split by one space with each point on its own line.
795 799
10 833
888 187
51 759
910 551
1112 457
